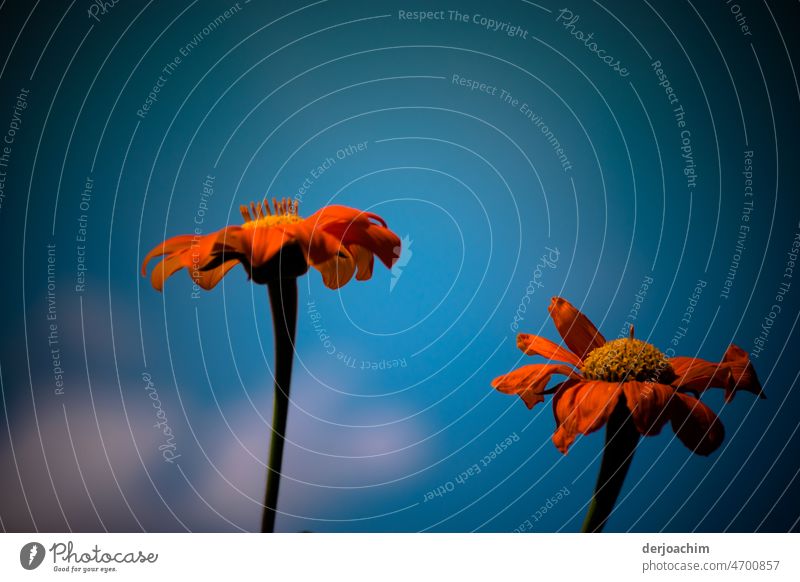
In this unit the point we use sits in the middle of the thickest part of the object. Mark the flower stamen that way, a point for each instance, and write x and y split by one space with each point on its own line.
259 215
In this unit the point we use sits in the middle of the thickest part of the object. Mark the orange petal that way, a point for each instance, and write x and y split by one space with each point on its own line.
260 244
209 279
205 248
693 374
381 241
164 270
199 252
338 270
695 424
583 409
534 345
340 213
169 246
528 382
333 213
351 226
376 218
580 335
734 373
741 373
648 403
385 244
364 262
559 390
321 246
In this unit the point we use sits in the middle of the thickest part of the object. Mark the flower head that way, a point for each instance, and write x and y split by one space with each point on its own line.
602 375
276 242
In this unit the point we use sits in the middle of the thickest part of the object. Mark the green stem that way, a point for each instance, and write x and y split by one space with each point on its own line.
283 301
621 440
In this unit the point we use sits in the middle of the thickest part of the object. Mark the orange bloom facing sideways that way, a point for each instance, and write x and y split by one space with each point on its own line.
601 375
337 241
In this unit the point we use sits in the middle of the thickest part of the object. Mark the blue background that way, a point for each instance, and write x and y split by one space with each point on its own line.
264 99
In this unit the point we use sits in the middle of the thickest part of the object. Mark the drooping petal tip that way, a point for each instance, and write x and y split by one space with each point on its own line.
529 382
741 375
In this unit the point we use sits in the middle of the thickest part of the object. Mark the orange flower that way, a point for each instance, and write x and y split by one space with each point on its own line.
337 241
601 375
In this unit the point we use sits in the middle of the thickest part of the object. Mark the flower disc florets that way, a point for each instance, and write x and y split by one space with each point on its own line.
627 359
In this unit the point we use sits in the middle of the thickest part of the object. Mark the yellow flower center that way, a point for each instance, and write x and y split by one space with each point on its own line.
627 359
260 215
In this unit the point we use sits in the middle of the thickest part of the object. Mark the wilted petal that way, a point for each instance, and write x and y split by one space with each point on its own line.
693 374
734 373
529 382
741 373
